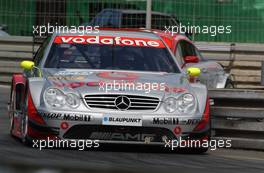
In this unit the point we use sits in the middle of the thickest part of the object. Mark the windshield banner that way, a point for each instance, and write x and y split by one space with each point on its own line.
109 40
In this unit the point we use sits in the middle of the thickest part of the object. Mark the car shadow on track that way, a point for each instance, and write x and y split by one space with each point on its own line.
127 148
142 149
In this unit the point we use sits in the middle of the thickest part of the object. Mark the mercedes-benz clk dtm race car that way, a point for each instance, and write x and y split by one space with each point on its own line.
115 86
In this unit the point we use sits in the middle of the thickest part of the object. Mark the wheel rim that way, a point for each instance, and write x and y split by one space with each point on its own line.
11 122
24 128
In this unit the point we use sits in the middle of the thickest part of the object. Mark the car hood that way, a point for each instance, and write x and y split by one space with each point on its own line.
125 82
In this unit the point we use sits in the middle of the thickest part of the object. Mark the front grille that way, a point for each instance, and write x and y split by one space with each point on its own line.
107 101
117 133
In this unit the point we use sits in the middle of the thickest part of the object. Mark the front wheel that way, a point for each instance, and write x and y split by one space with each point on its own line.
25 125
12 113
25 138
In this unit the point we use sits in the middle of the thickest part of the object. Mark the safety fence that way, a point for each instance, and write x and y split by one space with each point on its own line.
242 61
244 16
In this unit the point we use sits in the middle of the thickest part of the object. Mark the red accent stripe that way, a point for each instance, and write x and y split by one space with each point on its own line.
205 119
32 111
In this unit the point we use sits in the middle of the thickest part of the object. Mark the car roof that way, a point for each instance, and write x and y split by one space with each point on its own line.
134 33
129 11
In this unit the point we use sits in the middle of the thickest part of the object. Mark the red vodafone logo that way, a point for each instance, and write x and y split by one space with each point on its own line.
109 40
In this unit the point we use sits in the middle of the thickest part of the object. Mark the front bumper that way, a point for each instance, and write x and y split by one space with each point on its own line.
127 128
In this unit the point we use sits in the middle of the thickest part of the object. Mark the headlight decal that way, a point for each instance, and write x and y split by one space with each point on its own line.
72 100
185 104
170 105
55 98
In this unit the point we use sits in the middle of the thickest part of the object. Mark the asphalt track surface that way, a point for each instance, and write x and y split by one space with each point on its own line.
15 157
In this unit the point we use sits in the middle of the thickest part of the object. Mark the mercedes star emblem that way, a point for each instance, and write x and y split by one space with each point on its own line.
122 103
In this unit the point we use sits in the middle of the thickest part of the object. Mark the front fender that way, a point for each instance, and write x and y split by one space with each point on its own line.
36 85
201 93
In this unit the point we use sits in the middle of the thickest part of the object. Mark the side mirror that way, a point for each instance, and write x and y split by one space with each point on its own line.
27 65
193 71
191 59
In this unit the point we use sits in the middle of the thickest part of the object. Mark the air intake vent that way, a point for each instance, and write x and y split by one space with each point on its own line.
122 102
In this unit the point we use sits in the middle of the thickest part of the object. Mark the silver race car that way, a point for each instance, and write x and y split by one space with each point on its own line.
114 86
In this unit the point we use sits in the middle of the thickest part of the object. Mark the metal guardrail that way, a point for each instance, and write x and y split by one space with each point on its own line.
241 60
239 115
13 49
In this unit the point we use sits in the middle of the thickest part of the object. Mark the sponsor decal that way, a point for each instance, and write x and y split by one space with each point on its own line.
58 77
77 84
121 121
118 76
81 73
174 121
109 40
174 89
147 138
166 121
122 85
70 84
121 80
65 116
192 121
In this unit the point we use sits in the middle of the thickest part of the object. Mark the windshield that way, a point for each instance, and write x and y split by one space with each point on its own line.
114 57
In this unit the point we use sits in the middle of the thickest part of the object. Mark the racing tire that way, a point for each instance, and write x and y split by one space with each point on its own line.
25 138
11 115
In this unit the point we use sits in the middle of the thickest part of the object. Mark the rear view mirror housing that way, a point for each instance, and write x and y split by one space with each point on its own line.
193 72
27 65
